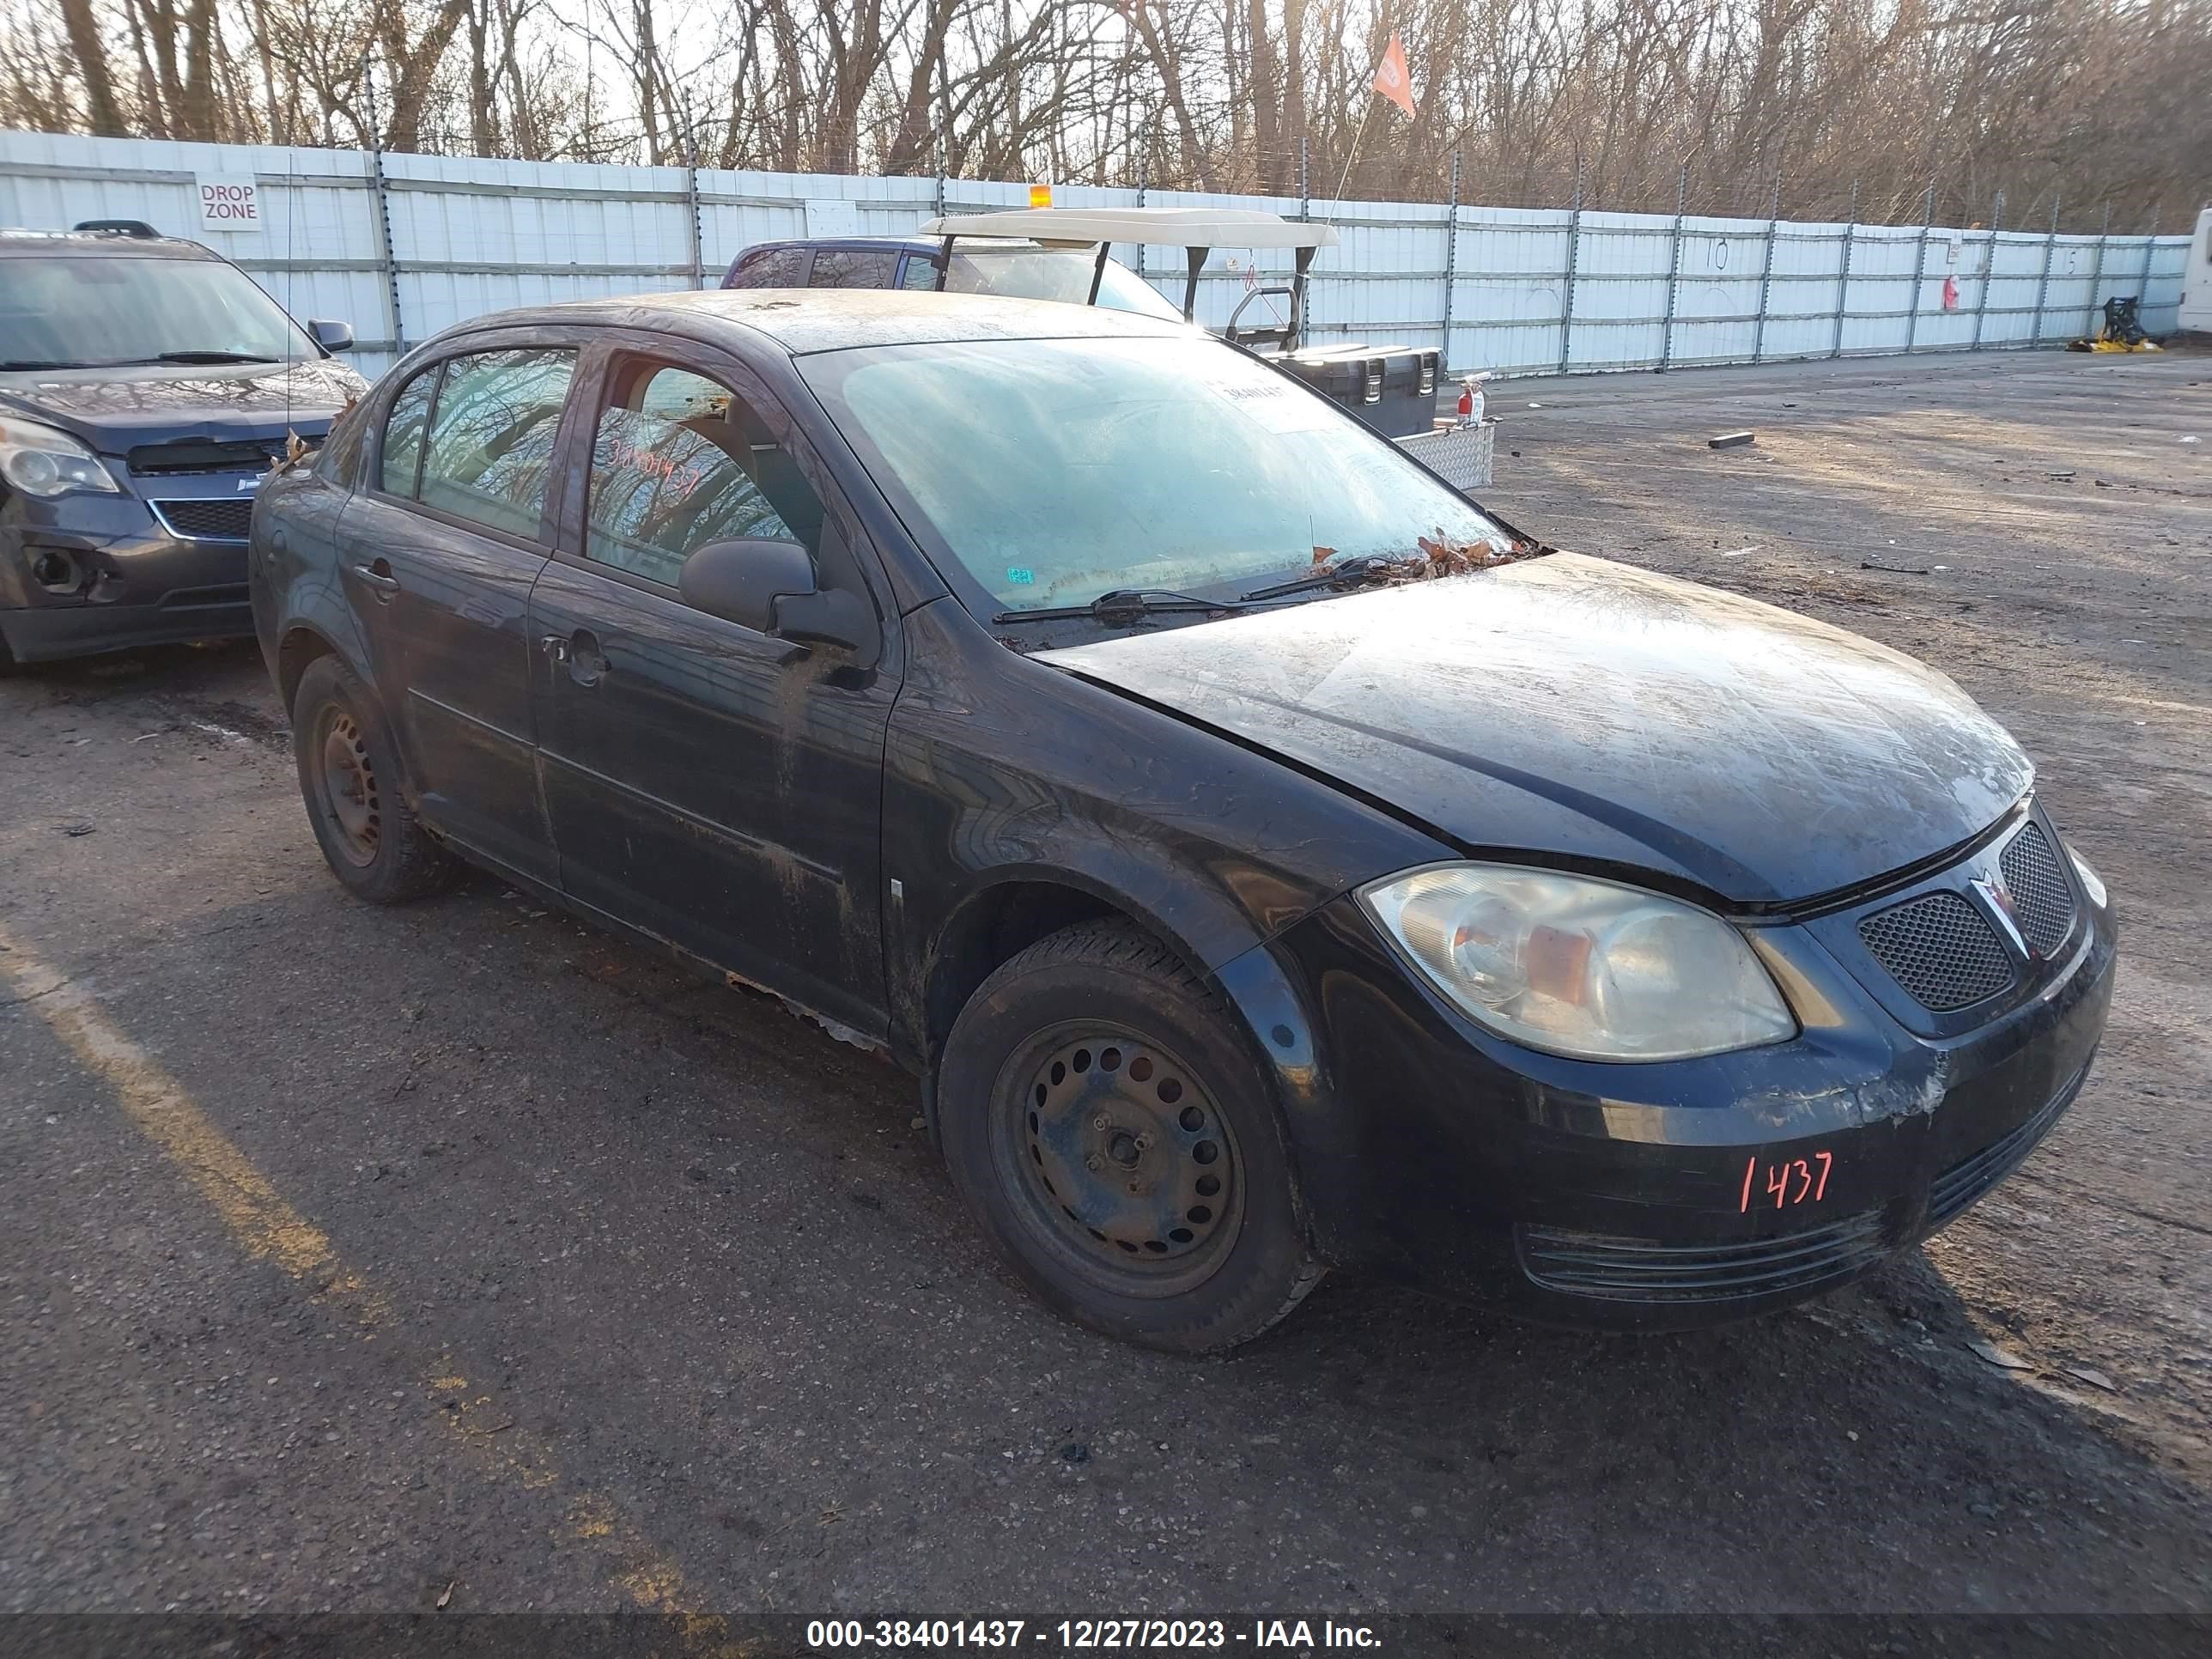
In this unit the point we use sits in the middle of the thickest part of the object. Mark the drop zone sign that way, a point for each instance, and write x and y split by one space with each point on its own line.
229 203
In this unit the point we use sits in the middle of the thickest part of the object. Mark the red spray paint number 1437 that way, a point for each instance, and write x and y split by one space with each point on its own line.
1793 1181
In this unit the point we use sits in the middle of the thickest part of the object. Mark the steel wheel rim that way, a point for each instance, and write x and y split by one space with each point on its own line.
1119 1157
351 805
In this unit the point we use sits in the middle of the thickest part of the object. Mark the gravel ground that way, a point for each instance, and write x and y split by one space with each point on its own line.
378 1259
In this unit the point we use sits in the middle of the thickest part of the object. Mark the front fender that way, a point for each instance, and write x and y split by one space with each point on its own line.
1000 769
292 573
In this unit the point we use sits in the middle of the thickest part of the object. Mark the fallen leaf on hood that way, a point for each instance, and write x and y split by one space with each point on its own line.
1440 556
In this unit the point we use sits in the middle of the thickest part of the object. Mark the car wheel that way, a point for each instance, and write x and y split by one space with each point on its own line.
1120 1143
370 837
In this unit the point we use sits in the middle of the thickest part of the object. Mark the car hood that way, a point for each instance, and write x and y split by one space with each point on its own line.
116 410
1572 708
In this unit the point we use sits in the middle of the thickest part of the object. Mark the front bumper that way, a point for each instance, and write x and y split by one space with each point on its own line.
86 573
1672 1195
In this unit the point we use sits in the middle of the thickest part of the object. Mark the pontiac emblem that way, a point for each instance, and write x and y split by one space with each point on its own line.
1997 899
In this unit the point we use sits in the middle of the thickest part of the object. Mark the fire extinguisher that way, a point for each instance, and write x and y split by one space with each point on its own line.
1471 400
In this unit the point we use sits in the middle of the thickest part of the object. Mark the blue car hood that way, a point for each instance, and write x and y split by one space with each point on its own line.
1573 707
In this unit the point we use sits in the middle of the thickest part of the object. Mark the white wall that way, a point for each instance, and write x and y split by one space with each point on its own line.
468 236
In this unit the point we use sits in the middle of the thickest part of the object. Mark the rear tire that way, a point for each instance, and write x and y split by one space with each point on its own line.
349 779
1108 1126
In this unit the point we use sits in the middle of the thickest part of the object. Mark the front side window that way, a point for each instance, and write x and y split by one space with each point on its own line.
680 460
403 432
1051 471
490 450
105 311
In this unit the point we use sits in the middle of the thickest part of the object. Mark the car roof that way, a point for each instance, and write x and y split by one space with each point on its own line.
97 244
911 244
931 245
809 320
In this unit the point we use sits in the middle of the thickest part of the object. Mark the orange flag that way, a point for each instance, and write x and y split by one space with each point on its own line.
1391 79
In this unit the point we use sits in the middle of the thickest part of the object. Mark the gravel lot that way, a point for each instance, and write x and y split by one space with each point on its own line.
356 1259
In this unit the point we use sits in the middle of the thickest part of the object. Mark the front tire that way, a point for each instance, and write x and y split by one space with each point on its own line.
1106 1123
349 779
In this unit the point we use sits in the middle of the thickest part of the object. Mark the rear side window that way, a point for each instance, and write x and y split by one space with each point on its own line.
780 267
680 460
490 449
846 267
403 432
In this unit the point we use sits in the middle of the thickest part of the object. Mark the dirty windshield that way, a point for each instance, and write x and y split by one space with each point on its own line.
98 312
1052 471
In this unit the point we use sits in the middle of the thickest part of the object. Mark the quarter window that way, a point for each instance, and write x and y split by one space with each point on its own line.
920 272
490 450
680 460
403 432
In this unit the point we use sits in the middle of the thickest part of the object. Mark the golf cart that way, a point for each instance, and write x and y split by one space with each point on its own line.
1392 388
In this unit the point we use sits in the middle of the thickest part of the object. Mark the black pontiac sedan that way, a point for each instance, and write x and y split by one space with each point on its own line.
1032 691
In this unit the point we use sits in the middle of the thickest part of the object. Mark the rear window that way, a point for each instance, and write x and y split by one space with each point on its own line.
1054 274
490 449
780 267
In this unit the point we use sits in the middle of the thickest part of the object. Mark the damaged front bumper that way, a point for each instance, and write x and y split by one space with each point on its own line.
1677 1193
89 573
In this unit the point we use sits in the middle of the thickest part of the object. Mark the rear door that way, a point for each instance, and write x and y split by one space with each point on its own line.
718 787
438 555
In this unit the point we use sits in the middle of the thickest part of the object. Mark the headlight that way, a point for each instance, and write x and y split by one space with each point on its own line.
1580 967
40 461
2091 880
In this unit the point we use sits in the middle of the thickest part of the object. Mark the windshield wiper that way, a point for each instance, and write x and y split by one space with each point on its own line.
1121 603
40 362
206 355
1344 570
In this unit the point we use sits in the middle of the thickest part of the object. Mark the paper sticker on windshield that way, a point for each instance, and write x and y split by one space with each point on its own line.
1020 574
1277 405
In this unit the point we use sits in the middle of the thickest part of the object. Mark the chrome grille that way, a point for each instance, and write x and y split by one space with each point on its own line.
219 519
1939 948
2043 903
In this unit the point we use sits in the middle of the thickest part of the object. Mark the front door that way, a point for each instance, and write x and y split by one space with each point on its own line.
718 787
438 556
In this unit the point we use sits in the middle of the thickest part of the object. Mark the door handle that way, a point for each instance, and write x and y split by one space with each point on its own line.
555 646
587 664
379 577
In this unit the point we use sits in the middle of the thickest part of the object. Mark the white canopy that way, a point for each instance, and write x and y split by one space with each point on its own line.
1158 227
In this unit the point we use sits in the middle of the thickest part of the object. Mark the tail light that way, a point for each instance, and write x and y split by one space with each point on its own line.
1428 374
1371 391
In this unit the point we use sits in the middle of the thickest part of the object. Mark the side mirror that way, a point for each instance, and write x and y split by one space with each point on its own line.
742 580
768 586
332 335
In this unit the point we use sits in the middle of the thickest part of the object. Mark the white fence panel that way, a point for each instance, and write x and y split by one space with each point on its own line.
1529 290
